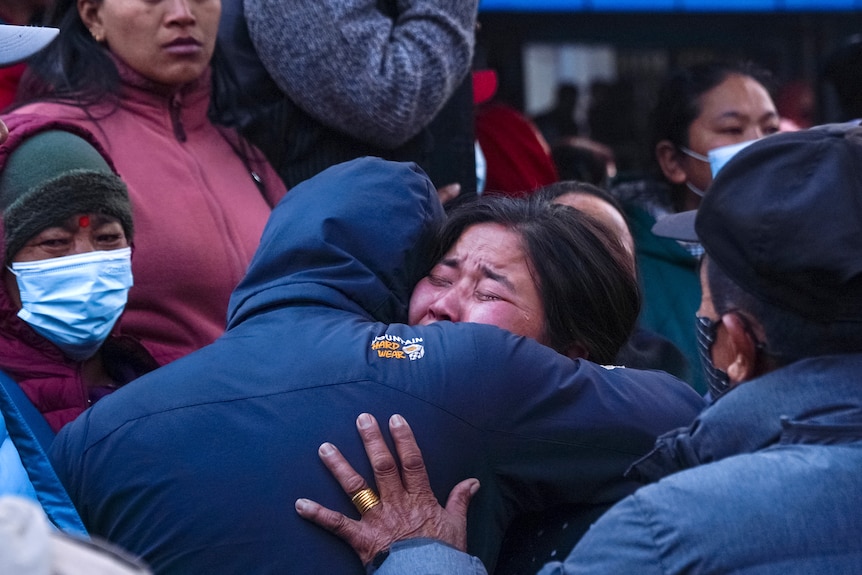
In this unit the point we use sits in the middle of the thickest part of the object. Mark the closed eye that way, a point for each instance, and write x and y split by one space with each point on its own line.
54 243
482 296
438 281
109 238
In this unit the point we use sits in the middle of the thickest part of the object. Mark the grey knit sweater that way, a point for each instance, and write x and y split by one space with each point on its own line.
318 82
355 69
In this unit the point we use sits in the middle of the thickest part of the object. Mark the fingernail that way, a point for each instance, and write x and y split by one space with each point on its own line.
326 449
396 421
474 488
301 504
364 421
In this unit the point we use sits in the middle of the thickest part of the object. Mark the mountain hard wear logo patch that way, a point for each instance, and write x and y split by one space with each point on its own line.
393 347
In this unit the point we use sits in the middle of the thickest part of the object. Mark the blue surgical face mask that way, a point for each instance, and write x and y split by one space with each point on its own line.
717 157
74 301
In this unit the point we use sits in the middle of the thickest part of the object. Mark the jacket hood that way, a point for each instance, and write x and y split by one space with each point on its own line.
356 237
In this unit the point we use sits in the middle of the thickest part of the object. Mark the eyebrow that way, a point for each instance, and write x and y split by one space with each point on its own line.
486 271
492 275
738 115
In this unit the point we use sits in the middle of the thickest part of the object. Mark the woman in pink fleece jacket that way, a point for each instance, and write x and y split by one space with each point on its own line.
136 73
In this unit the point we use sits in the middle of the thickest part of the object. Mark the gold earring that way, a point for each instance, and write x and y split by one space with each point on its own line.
97 36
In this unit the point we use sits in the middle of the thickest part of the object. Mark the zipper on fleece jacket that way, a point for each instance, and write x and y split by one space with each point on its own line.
176 121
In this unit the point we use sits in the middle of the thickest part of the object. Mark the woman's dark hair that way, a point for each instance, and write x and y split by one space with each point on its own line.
678 102
74 67
588 292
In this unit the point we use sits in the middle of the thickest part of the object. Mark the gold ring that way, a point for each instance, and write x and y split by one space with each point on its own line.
365 499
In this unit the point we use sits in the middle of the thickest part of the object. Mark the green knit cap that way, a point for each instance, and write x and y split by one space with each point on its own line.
52 176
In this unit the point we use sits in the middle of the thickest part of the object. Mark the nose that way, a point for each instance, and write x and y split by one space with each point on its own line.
82 245
180 12
446 307
755 133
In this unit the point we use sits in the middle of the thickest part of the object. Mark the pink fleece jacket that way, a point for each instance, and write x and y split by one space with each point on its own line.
198 211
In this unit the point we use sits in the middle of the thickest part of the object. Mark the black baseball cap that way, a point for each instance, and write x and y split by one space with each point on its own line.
20 42
783 219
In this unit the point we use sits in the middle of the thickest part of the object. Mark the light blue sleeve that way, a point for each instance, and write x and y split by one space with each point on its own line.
26 436
621 541
13 477
428 557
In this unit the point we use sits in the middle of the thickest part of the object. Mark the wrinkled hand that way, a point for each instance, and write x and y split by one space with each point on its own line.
408 508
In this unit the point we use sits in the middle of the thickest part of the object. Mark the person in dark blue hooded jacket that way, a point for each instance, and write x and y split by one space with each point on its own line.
196 466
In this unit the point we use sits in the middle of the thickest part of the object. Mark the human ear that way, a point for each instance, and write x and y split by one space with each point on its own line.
743 350
88 10
668 157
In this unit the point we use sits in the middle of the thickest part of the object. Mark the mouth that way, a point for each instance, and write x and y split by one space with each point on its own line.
183 47
183 42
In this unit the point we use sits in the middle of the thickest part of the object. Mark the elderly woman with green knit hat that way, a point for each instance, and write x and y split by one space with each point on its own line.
67 232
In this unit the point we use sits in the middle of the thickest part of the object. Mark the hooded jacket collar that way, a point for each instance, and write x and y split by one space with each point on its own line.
356 237
187 105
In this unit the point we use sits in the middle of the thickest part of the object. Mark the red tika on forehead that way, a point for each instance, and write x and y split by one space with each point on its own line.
84 221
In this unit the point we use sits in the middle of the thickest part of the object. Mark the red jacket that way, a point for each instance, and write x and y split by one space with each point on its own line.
51 380
198 212
517 156
10 76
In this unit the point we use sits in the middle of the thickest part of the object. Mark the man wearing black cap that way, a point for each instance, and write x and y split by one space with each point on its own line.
767 479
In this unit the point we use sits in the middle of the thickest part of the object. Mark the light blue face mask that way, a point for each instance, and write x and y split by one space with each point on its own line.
717 157
74 301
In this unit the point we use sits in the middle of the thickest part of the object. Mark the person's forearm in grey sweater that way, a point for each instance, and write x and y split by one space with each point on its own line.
356 70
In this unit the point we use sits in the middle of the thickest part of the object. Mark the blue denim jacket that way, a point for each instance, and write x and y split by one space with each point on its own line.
766 480
427 557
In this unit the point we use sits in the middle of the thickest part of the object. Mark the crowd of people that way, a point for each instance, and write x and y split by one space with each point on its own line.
224 238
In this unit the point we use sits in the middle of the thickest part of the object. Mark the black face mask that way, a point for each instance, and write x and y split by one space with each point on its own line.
717 381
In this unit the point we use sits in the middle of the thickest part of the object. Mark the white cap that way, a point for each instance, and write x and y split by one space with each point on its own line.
20 42
29 545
